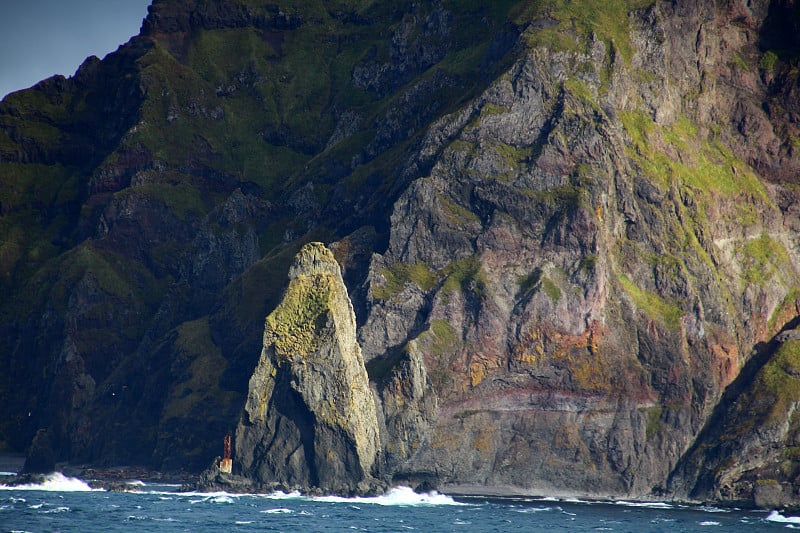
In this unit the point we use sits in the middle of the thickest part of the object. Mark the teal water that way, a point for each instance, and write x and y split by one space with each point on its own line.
69 505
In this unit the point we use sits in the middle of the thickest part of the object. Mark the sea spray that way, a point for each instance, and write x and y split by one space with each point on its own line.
55 482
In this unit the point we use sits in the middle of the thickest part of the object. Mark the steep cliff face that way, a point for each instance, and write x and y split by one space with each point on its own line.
566 228
310 418
592 255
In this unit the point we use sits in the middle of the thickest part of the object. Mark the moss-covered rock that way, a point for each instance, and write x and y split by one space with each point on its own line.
310 420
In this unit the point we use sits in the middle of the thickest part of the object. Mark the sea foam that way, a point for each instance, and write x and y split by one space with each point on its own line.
396 496
55 482
400 496
775 516
648 505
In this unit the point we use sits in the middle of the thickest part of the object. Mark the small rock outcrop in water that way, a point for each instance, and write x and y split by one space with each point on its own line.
310 421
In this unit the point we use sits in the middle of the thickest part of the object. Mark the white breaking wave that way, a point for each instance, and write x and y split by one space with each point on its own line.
775 516
213 497
648 505
537 509
395 496
283 495
55 482
707 509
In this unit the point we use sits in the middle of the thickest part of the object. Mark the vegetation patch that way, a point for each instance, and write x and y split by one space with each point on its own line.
529 283
704 165
294 325
559 199
181 198
443 336
465 275
653 305
379 368
588 263
785 311
577 21
398 274
456 214
763 258
551 290
440 340
512 156
653 420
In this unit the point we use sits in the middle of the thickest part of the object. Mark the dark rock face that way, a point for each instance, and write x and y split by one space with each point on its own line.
41 458
746 454
569 231
310 419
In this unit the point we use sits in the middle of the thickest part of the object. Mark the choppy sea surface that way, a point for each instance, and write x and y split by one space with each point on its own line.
66 504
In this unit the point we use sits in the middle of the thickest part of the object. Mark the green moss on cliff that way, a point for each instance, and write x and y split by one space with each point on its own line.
651 304
456 214
444 336
763 259
181 198
464 275
785 311
529 283
678 152
653 420
398 274
441 342
513 156
768 61
579 20
559 199
379 368
294 326
551 290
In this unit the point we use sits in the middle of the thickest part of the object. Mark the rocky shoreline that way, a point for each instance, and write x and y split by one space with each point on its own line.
133 478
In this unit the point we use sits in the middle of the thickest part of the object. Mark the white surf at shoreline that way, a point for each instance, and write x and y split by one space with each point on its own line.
55 482
775 516
397 496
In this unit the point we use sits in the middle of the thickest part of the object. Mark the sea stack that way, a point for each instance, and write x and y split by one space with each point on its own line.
310 421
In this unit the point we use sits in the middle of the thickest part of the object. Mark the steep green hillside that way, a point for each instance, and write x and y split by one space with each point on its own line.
178 177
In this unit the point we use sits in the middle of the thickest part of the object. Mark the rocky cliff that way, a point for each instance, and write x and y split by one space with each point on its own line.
310 418
568 230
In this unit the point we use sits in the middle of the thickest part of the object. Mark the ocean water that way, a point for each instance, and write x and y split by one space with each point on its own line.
64 504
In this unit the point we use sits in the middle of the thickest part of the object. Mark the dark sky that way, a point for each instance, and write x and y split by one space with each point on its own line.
40 38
